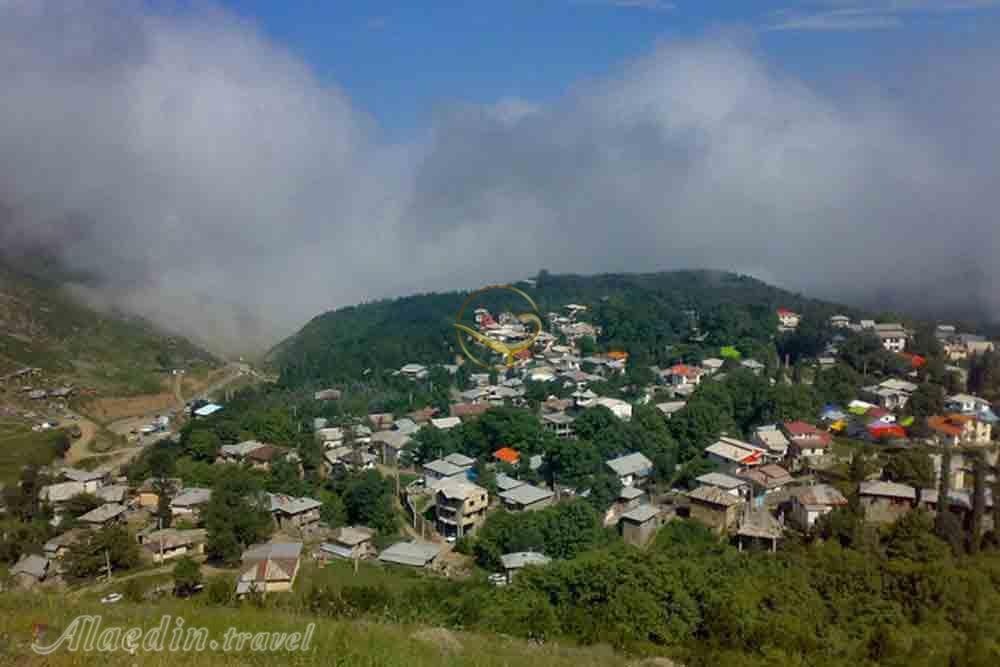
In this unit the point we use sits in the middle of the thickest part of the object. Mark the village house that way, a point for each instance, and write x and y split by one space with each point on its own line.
629 497
103 516
467 410
507 455
292 513
712 365
91 480
620 409
115 493
506 482
758 525
893 336
445 423
349 542
753 366
327 395
884 502
559 423
452 467
669 408
809 503
631 469
57 495
733 454
169 543
683 375
788 320
966 404
717 509
513 563
414 371
189 503
56 548
237 453
411 554
765 480
390 445
269 568
890 394
840 321
262 458
738 488
526 497
30 570
805 440
959 430
638 526
459 507
772 440
381 421
149 490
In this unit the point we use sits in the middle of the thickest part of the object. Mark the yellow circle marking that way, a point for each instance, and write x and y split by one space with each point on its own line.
507 351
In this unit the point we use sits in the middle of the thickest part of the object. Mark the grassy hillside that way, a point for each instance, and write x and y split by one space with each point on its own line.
335 642
641 313
19 446
41 325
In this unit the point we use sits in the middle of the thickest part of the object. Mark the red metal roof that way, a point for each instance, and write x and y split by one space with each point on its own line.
507 455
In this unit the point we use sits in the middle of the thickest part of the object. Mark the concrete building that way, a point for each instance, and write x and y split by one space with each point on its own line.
526 497
459 507
269 568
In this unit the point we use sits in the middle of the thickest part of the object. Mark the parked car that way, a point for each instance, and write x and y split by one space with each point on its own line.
111 598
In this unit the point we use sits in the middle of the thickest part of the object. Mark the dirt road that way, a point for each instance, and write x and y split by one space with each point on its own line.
80 448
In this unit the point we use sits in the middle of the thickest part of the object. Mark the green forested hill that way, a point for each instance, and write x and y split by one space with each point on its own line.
639 313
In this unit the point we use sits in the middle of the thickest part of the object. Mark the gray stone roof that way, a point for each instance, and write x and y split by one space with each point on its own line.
630 464
32 565
887 489
640 514
711 495
103 513
415 554
526 494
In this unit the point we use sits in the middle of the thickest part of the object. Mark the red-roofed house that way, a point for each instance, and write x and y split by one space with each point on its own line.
507 455
916 361
788 319
880 431
955 430
805 440
682 374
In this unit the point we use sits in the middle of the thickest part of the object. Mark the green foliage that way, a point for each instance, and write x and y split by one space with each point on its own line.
187 576
220 589
368 499
236 517
911 466
90 556
82 503
560 531
926 401
912 538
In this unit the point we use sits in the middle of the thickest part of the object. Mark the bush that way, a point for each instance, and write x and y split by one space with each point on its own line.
221 589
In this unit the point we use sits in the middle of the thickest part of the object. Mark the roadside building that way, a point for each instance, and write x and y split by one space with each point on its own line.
459 507
349 542
631 469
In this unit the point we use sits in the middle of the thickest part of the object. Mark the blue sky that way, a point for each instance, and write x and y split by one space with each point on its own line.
401 61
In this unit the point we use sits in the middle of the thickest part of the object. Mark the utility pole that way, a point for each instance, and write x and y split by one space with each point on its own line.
107 562
159 525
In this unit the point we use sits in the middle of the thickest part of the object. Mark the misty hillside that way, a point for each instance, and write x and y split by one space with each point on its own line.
639 313
43 325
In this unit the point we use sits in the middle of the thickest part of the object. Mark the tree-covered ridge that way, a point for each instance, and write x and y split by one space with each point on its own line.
639 313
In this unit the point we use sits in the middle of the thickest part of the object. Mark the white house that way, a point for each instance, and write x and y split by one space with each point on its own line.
809 503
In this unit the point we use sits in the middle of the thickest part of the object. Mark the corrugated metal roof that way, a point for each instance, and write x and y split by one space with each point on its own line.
417 554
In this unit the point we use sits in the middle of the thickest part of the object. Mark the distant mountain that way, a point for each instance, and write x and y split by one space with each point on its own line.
639 313
42 324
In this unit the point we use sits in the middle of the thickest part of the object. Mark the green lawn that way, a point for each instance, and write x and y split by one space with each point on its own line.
20 446
340 573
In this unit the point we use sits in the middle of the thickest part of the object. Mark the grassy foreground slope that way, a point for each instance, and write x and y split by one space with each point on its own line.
44 326
335 642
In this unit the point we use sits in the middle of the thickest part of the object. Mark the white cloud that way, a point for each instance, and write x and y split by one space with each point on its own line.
647 5
836 20
213 182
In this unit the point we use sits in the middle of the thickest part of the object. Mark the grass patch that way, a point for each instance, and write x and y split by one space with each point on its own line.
335 642
26 447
